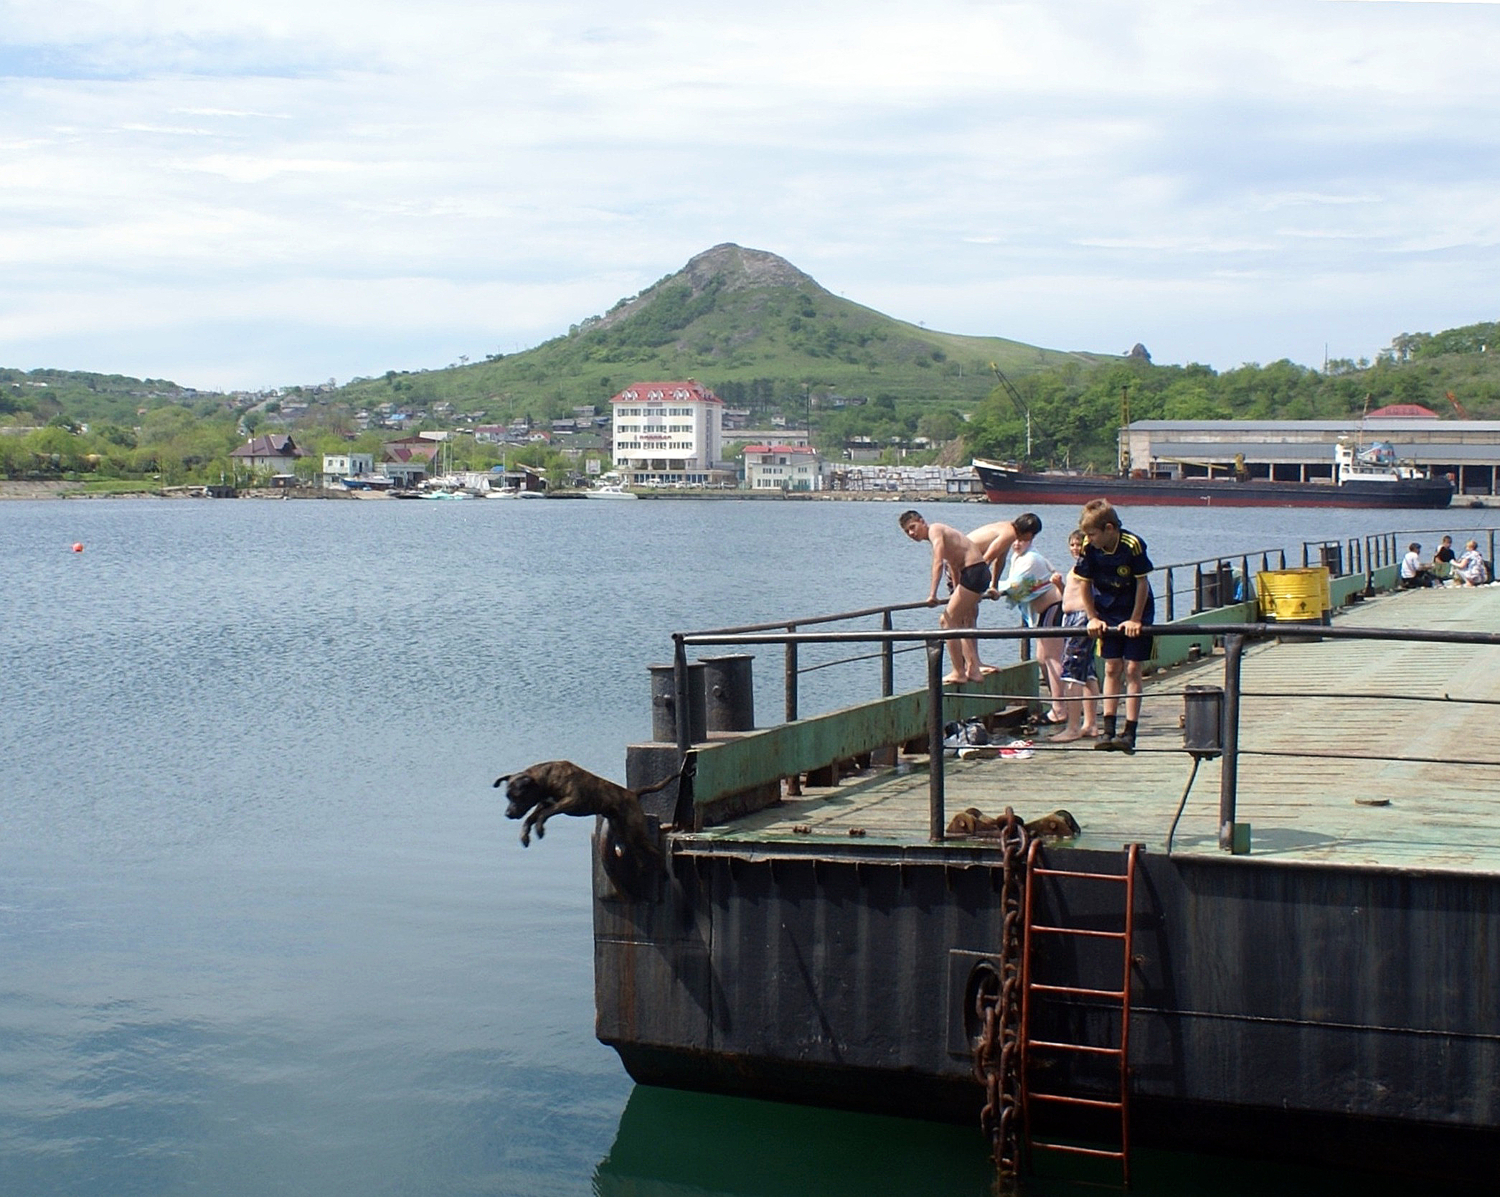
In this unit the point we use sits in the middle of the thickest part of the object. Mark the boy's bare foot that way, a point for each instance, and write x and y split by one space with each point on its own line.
1089 733
979 677
953 678
988 669
1065 737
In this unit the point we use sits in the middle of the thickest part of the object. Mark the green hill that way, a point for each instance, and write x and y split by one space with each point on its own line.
746 323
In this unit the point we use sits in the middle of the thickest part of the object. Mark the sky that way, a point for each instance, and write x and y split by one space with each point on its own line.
279 192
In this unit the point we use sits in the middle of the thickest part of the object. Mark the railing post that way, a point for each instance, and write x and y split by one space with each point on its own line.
936 823
1171 616
1234 648
1247 591
887 659
791 678
680 693
1197 589
1304 554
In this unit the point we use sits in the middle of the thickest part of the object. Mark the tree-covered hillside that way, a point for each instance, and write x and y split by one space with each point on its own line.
746 323
765 337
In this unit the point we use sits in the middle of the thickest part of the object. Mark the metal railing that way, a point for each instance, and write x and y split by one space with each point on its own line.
1235 637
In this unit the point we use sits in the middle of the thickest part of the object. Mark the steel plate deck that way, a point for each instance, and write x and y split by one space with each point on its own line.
1443 817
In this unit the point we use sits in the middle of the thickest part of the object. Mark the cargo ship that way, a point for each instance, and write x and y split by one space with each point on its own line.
1363 476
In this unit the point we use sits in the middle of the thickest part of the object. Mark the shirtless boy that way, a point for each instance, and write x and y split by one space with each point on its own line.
994 542
1031 584
970 578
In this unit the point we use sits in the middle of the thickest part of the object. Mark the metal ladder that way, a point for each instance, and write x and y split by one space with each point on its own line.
1032 991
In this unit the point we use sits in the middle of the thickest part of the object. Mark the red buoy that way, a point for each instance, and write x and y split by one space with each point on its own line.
78 546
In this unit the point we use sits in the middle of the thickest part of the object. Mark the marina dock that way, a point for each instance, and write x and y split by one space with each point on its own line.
1311 973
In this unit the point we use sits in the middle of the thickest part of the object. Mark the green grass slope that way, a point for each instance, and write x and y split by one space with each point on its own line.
733 319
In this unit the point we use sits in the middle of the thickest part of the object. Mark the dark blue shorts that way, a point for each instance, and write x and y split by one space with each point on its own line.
1115 645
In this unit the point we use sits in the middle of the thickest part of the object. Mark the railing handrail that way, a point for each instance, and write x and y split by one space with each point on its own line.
1309 629
862 613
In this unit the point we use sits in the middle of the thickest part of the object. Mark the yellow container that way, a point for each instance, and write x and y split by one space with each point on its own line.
1294 595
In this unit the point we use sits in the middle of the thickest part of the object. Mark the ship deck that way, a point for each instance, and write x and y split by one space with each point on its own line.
1304 797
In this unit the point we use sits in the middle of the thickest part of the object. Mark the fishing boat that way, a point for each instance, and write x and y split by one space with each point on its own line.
1363 476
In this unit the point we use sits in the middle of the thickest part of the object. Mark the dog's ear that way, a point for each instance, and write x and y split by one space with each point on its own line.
500 781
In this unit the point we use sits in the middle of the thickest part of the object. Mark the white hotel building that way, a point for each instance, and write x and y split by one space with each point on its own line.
667 433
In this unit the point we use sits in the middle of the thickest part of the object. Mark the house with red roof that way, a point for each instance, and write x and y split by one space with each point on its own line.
669 434
782 467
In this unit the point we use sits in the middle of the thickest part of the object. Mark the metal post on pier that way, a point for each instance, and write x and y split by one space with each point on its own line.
1233 837
1171 613
936 822
680 694
887 658
791 677
794 782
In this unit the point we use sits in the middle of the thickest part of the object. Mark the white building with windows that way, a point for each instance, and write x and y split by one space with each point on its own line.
668 434
782 467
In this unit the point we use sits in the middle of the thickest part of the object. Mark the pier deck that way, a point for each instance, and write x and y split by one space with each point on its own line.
1302 806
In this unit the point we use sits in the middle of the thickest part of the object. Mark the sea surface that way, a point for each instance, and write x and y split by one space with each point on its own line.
263 927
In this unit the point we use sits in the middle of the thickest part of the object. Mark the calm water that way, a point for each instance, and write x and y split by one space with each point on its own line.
263 929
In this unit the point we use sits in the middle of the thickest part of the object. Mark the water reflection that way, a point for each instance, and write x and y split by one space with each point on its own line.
676 1144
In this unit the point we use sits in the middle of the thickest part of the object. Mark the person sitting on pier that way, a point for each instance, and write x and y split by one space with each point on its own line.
1414 574
1442 561
1119 602
1469 569
1030 583
1079 683
969 578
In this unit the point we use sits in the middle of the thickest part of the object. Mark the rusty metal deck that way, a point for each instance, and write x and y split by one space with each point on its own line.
1441 816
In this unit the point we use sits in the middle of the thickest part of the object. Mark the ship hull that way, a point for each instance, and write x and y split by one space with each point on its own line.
1003 485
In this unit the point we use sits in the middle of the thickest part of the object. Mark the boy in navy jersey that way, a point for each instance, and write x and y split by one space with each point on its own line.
1118 602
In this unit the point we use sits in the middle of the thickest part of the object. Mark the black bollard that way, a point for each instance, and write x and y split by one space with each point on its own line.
664 704
729 691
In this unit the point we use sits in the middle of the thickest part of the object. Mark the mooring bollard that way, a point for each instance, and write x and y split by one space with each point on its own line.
664 704
729 692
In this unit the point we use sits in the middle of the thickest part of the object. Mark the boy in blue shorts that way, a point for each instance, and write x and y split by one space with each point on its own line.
1118 602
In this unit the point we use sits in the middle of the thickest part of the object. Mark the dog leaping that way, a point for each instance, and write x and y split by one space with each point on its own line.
562 788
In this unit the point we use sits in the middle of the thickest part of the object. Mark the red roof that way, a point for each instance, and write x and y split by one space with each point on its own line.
1409 411
666 392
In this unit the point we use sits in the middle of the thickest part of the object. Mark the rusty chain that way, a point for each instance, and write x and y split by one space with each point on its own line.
997 1056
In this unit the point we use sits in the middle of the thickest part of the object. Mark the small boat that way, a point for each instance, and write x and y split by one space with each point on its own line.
609 490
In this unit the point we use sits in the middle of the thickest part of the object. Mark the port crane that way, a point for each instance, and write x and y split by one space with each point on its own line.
1020 404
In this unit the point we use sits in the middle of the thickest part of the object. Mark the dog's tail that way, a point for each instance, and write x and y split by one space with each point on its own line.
688 767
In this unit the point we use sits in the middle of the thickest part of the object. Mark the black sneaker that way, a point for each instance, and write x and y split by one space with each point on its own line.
1108 744
1125 744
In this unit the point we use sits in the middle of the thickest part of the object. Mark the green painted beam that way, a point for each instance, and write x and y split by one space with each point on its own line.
761 757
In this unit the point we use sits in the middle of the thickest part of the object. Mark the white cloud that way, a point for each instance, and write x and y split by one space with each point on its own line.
474 175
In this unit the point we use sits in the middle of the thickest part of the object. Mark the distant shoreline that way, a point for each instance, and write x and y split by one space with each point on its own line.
75 490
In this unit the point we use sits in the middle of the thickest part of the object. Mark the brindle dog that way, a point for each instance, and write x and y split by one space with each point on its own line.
563 788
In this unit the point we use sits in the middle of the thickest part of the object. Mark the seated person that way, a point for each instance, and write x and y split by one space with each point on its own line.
1442 561
1469 569
1413 572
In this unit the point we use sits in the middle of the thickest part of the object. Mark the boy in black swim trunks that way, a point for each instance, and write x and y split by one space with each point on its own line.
968 575
1119 603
